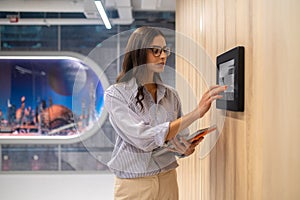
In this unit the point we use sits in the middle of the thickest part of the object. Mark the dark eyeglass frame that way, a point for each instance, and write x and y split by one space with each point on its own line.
157 50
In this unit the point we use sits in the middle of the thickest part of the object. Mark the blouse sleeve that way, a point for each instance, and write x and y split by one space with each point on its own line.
130 127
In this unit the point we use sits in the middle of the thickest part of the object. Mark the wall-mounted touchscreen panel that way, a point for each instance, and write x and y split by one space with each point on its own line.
230 72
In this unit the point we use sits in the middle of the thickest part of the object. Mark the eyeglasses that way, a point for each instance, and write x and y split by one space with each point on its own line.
157 50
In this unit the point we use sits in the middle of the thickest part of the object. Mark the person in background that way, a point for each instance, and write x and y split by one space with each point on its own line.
145 114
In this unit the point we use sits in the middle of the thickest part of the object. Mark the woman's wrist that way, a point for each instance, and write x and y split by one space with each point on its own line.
197 113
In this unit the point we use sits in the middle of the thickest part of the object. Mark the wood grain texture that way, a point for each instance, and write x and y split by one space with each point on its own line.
257 154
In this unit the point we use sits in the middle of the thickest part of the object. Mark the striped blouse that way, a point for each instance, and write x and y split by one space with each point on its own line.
140 132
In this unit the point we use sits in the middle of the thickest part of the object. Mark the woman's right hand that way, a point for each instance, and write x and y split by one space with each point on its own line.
208 97
204 105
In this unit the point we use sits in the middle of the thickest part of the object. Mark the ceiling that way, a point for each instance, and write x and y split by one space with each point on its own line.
84 12
55 24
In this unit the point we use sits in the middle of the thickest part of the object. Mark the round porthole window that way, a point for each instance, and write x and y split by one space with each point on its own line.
53 97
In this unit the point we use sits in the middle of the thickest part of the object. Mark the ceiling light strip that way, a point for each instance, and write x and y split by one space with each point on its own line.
103 15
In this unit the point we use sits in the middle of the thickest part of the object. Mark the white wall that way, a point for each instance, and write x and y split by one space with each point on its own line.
56 186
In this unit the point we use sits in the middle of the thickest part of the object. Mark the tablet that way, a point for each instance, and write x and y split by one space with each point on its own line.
200 133
191 138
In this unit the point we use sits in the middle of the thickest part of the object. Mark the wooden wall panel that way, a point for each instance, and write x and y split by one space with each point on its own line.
257 154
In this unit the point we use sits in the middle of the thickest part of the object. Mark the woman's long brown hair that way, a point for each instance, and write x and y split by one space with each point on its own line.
135 58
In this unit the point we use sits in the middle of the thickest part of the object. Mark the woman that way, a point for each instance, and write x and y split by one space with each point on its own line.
145 115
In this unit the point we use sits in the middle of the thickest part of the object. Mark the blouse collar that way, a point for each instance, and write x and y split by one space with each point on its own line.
133 86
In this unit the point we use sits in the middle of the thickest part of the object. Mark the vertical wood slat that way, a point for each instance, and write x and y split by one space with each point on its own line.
220 158
243 38
192 164
180 65
253 102
229 137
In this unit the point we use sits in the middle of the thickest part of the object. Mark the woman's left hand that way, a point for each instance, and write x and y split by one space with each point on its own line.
183 147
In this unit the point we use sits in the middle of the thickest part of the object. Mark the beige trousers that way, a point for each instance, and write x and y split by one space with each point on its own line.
162 186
